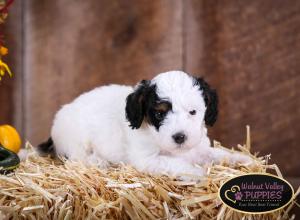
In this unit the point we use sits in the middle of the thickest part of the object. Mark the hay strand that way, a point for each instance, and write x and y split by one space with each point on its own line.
43 188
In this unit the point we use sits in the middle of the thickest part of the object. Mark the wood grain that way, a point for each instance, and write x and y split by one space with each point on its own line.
250 52
6 100
72 47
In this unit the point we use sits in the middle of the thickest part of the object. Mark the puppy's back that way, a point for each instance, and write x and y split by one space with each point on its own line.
88 122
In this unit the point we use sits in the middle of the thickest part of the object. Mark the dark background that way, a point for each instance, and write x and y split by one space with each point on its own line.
248 50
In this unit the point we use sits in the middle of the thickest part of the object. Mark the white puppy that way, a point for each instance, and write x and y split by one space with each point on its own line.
158 127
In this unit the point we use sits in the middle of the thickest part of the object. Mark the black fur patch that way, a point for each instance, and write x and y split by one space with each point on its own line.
211 101
46 148
157 114
135 104
144 103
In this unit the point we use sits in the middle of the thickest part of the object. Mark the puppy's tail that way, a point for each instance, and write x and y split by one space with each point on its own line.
46 148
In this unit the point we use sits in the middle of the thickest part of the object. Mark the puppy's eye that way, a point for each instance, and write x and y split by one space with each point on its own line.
193 112
159 115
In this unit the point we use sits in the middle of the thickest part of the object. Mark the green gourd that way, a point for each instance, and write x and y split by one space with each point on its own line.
8 160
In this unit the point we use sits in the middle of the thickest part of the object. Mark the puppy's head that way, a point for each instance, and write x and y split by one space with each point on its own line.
174 107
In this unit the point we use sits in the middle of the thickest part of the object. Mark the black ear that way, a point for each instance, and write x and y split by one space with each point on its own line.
211 101
135 105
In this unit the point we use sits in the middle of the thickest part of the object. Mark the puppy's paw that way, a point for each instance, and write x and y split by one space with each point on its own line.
193 174
242 159
94 160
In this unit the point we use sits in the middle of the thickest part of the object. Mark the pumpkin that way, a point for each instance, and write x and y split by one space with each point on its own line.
9 138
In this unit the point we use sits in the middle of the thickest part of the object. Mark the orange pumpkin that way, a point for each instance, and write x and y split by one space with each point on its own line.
9 138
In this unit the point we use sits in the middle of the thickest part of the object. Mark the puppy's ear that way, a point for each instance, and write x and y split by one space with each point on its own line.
211 101
135 105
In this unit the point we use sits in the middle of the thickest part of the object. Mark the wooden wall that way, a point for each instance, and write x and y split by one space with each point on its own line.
248 50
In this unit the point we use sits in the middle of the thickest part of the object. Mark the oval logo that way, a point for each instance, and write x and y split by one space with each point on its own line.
256 193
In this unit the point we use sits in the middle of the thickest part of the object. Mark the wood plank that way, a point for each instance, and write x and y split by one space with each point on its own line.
71 48
250 52
6 90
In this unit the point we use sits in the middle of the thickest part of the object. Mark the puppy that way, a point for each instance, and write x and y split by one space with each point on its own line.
158 127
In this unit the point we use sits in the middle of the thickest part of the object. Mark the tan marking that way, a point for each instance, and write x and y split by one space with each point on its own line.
163 107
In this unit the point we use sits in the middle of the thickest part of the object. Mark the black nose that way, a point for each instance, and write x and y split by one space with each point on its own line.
179 138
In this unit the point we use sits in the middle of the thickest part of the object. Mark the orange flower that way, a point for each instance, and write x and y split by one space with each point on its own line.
3 51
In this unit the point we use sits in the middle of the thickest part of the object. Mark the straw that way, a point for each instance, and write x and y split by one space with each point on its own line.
43 188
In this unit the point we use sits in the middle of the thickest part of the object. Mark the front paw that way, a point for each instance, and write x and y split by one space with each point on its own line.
192 174
242 159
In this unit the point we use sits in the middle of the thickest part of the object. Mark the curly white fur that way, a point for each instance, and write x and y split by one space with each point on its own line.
94 129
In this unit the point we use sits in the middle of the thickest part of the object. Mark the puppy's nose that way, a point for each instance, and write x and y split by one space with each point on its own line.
179 138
